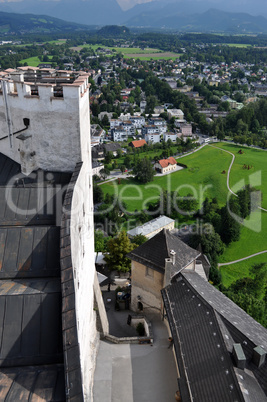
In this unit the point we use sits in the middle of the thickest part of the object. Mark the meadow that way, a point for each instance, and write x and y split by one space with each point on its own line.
206 176
135 52
33 61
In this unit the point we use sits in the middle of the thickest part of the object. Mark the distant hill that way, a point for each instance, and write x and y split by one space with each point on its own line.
30 23
114 31
183 16
89 12
210 21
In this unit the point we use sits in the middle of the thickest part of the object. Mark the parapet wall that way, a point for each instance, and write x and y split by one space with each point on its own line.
55 114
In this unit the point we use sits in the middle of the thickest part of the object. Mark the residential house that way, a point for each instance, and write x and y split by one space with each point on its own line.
220 351
176 113
97 134
142 105
137 143
114 123
158 122
151 228
165 165
128 127
185 129
138 121
152 137
119 134
153 263
170 136
99 151
150 129
96 167
158 109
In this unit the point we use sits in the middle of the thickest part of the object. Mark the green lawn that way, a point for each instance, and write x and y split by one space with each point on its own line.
204 178
240 45
33 61
239 270
200 178
155 56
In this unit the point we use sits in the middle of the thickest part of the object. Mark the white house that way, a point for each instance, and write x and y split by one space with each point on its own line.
166 165
176 113
152 138
128 127
119 134
151 228
138 121
115 123
170 136
160 123
150 129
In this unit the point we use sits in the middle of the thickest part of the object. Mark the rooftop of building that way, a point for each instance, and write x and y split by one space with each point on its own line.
154 252
205 325
31 352
149 227
36 76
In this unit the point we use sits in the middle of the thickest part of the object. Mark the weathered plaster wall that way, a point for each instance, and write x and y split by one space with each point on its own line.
147 287
82 252
54 124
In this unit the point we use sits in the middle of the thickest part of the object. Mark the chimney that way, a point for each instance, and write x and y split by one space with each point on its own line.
239 356
259 356
167 275
172 256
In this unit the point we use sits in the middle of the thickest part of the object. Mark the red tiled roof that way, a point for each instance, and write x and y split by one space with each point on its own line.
166 162
138 143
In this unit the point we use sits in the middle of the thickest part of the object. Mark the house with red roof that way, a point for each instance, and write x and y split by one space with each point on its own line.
165 165
137 143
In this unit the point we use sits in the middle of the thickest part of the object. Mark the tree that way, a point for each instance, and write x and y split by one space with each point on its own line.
139 239
144 171
230 230
100 241
97 194
117 248
104 173
122 168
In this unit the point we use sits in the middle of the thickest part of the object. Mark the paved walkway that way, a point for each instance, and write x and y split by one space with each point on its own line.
136 373
242 259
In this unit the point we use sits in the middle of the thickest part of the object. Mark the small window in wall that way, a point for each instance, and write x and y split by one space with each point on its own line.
58 91
150 273
34 90
140 306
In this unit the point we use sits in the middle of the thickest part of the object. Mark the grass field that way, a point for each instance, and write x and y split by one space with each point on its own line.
240 45
204 178
239 270
200 178
33 61
135 52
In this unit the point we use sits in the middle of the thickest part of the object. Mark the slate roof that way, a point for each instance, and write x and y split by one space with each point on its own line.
205 324
154 252
202 356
